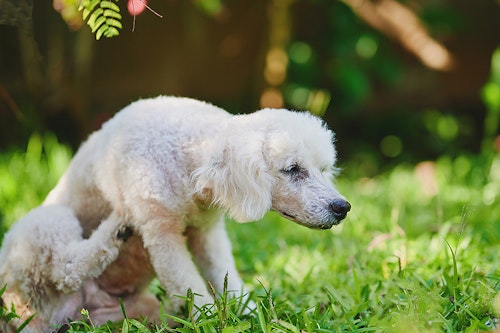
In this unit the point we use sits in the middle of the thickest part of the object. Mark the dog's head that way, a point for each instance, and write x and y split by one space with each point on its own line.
274 159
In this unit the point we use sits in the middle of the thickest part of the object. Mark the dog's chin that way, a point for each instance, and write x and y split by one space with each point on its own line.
323 225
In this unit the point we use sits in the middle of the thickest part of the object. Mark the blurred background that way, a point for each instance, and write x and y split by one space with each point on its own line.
397 80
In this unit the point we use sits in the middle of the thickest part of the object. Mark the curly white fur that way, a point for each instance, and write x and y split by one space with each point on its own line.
48 267
170 167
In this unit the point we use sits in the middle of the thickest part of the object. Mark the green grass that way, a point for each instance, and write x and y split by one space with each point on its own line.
402 259
27 176
408 257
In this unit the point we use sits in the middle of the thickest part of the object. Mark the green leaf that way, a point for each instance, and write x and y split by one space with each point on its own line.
114 23
99 23
26 322
261 318
83 4
180 320
95 15
88 7
288 326
140 326
104 18
110 5
111 32
125 327
241 327
3 289
110 13
101 31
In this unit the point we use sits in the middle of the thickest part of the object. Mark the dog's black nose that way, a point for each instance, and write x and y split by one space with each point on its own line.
340 208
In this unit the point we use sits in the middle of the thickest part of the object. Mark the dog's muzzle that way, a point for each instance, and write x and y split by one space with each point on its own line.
337 211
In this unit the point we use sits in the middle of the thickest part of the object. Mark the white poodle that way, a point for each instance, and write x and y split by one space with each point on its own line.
170 167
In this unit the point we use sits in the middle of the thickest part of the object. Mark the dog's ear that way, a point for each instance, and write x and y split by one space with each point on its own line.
235 173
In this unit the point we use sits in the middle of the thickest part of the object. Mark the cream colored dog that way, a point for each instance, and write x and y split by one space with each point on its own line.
48 267
170 167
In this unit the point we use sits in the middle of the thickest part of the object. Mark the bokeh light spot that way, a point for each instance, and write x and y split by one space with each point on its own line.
300 53
447 127
366 47
391 146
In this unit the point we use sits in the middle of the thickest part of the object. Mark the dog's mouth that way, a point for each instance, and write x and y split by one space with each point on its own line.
288 216
323 226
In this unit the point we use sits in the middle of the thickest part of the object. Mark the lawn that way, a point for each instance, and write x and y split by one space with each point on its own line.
419 252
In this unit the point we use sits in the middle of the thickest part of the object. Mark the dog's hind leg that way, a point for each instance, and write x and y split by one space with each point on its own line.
88 258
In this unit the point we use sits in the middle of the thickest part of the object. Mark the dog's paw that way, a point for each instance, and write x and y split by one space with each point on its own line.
124 233
72 281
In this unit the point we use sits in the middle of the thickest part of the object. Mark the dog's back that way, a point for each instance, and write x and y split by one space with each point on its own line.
93 181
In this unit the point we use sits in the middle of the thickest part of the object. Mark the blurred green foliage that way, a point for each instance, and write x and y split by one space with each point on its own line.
342 55
27 176
491 97
439 133
337 66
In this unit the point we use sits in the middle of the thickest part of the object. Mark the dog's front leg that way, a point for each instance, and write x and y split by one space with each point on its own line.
86 258
173 264
212 252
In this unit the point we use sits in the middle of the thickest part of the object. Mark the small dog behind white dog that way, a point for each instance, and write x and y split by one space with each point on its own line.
49 268
170 167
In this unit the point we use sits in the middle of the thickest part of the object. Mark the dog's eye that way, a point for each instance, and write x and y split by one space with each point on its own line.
292 169
295 171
